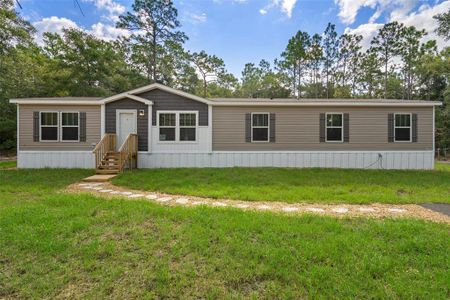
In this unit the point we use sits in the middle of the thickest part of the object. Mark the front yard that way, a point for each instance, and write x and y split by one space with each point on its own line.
55 244
298 185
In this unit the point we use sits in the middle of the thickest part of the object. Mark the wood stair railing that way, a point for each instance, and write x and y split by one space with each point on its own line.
110 161
128 152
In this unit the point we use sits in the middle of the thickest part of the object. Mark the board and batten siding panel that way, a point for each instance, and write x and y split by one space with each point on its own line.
26 128
142 121
297 129
163 100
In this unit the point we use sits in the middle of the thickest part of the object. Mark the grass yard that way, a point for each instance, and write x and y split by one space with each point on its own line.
298 185
8 164
54 244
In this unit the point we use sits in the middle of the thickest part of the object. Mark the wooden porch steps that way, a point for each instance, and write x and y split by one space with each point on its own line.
109 164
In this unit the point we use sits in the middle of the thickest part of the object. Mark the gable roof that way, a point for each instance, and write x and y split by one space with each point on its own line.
151 87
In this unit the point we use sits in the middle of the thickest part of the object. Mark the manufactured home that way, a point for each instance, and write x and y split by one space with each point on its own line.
160 127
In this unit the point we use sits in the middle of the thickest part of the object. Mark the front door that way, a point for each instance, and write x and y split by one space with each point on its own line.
126 123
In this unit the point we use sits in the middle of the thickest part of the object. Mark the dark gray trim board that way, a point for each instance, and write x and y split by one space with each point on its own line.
163 100
142 121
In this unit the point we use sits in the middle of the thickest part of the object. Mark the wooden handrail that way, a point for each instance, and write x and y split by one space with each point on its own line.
128 152
106 144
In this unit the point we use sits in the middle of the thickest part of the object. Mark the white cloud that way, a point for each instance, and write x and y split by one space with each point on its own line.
421 19
113 8
286 6
348 9
107 32
54 25
197 18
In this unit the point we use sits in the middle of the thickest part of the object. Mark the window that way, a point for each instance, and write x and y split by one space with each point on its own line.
402 128
260 127
187 126
167 126
70 126
334 127
177 126
49 126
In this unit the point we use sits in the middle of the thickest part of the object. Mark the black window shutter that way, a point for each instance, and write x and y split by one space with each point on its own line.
346 128
82 127
390 128
248 128
414 128
35 126
272 128
322 128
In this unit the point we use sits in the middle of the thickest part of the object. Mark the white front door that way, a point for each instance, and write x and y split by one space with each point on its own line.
126 123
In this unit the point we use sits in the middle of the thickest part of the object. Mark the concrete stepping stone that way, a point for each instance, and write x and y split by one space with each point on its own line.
135 196
264 207
115 192
199 203
126 193
315 209
97 188
105 191
164 199
242 206
85 184
366 209
290 209
340 210
396 210
151 197
219 204
87 187
182 200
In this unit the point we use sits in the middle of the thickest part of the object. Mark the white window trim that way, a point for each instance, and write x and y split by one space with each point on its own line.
326 127
61 127
410 127
177 125
268 126
40 126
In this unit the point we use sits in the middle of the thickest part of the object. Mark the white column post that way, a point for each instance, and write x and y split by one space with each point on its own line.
150 121
102 120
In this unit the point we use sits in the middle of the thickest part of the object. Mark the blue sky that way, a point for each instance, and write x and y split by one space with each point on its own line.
241 31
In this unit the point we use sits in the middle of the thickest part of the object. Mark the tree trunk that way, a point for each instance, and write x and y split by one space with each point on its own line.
154 55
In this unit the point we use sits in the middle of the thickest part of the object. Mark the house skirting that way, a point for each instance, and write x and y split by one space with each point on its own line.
297 159
225 159
55 159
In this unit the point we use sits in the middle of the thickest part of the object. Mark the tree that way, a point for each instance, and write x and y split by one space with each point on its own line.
386 45
369 73
409 50
330 49
210 68
154 24
295 59
443 28
348 60
315 58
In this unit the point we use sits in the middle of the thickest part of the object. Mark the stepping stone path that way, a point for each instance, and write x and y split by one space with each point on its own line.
340 210
375 210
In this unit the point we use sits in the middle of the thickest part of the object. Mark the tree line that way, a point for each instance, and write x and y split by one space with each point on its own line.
397 64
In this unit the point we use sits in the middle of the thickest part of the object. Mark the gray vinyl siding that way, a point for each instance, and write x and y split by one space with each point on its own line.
142 121
297 129
26 142
163 100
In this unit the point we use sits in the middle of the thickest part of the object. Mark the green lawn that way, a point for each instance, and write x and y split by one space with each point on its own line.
298 185
54 244
8 164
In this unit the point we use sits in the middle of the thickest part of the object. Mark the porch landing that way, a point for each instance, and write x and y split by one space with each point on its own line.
99 178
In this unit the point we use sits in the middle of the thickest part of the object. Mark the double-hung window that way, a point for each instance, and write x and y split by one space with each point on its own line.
49 126
177 126
70 129
334 127
167 126
188 125
260 127
402 127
